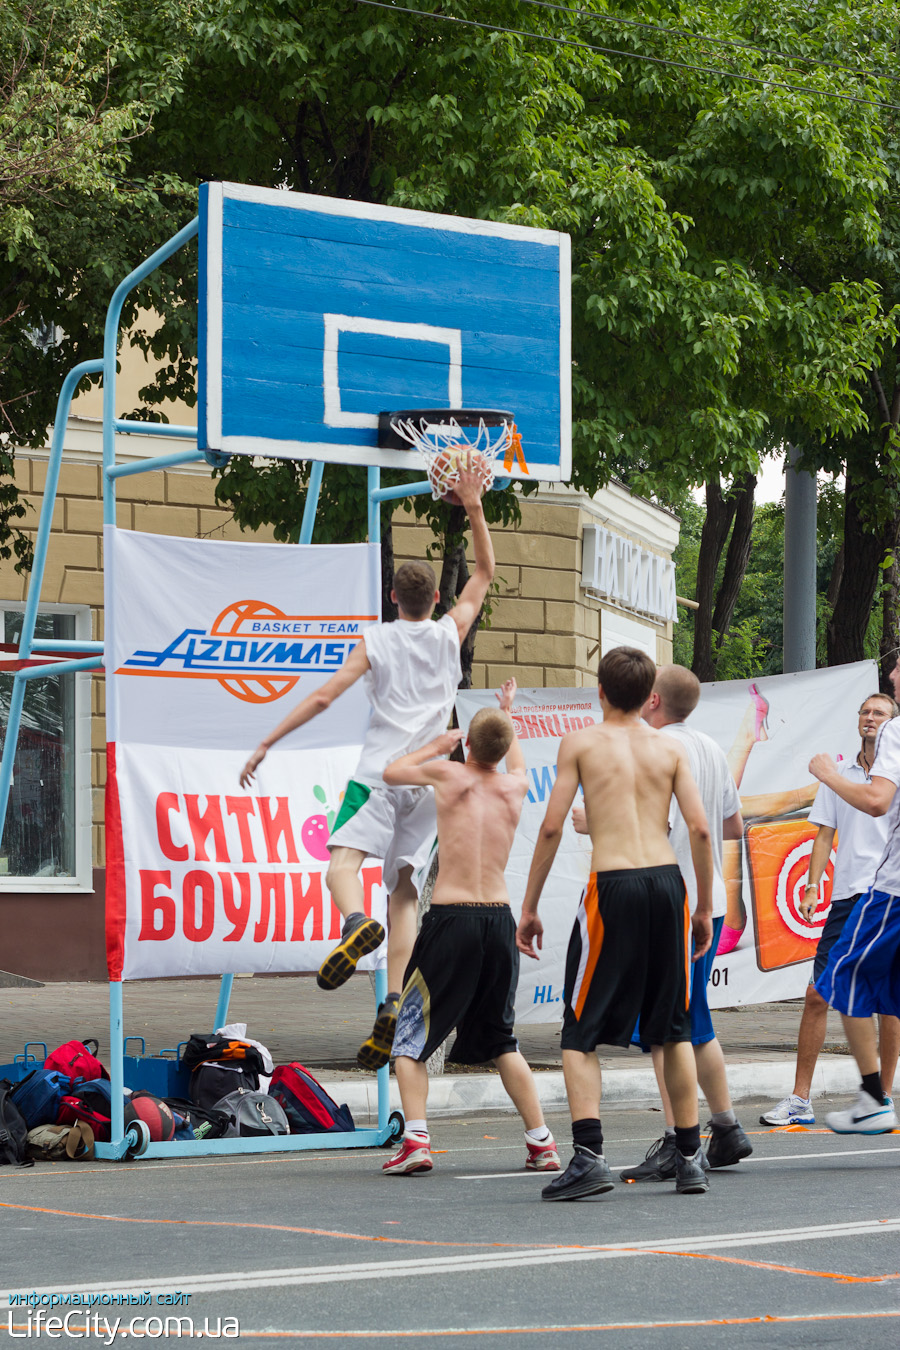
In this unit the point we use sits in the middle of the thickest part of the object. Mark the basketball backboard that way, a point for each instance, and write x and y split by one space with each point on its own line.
317 314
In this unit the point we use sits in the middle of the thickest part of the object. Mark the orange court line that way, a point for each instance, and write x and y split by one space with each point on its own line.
286 1228
435 1333
427 1242
788 1270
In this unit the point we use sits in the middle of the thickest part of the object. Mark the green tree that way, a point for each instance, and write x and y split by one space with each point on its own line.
79 86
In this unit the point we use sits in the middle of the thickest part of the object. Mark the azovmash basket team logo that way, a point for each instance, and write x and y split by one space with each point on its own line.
255 650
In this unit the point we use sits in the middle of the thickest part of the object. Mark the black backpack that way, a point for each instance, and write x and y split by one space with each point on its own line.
13 1130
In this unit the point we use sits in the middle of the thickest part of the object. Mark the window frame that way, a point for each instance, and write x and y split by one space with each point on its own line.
82 882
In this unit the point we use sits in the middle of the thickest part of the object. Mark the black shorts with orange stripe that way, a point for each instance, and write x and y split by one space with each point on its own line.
628 958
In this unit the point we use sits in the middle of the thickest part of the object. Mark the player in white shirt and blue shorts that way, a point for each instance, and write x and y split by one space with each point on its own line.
412 671
862 976
861 840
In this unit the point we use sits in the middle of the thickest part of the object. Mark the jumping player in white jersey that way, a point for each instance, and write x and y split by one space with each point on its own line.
412 670
862 976
860 844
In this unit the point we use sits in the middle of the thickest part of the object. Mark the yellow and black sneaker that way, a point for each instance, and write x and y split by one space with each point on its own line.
361 935
375 1052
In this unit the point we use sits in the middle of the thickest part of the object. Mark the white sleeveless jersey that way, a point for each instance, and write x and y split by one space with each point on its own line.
411 684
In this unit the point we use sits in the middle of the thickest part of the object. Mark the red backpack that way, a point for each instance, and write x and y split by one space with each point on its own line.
306 1104
76 1060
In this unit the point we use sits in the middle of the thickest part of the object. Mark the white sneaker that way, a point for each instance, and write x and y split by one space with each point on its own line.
866 1116
789 1111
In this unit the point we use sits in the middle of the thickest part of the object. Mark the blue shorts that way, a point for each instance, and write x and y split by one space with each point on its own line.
701 1022
862 975
834 925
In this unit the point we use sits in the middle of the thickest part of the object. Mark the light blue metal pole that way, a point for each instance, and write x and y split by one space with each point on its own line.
374 485
110 350
381 989
157 462
311 505
224 1000
394 493
36 580
62 645
60 668
130 427
116 1063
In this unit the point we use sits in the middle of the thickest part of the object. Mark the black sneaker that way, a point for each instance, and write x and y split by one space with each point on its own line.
659 1164
587 1174
690 1178
359 937
375 1052
726 1145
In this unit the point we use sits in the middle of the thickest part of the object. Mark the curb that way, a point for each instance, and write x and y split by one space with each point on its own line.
453 1095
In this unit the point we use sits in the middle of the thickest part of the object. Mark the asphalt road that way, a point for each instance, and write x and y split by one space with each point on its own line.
798 1245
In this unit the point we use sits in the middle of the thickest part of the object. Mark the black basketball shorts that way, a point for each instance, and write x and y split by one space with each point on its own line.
629 957
462 973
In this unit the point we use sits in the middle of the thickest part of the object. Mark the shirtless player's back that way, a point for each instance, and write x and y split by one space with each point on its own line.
628 772
627 954
464 966
478 810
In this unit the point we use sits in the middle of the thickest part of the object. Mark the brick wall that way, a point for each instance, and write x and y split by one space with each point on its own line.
543 628
172 503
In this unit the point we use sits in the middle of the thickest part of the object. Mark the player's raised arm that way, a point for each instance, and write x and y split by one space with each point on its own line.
421 767
690 805
357 664
873 797
469 489
530 930
506 696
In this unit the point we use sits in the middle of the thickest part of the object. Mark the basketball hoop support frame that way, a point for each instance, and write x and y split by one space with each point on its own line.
90 657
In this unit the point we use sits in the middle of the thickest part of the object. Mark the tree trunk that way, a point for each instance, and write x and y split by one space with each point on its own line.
863 554
736 559
388 608
890 602
719 515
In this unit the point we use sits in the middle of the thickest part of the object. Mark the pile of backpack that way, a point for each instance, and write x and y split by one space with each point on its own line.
58 1112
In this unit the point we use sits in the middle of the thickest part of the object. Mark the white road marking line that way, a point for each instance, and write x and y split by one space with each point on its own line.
772 1157
475 1262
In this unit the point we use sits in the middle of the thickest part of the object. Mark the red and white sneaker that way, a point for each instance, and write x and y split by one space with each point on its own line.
411 1156
542 1157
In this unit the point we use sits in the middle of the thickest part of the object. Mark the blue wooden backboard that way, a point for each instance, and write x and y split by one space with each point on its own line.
316 314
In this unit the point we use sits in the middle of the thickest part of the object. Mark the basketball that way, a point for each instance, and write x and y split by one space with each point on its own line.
154 1113
443 472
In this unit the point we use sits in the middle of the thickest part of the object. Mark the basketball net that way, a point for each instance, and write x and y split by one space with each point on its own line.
445 445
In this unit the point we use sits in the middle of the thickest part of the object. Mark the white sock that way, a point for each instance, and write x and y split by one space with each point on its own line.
419 1128
724 1117
539 1135
670 1130
804 1101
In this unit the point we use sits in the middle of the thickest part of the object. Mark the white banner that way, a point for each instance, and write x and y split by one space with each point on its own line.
209 645
769 729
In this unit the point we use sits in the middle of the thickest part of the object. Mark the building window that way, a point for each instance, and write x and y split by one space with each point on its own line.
46 838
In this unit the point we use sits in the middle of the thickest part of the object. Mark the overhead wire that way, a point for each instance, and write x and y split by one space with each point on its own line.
715 41
634 56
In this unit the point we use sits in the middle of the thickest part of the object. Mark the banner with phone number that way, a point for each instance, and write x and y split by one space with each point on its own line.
769 729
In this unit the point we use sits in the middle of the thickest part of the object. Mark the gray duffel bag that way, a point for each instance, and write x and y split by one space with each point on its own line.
252 1114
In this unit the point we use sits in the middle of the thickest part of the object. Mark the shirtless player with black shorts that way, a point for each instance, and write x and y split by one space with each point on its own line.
629 951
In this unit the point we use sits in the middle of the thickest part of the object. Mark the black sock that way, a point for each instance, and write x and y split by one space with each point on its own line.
687 1140
871 1083
588 1133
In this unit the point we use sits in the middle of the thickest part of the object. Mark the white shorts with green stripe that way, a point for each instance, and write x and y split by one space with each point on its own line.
397 825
